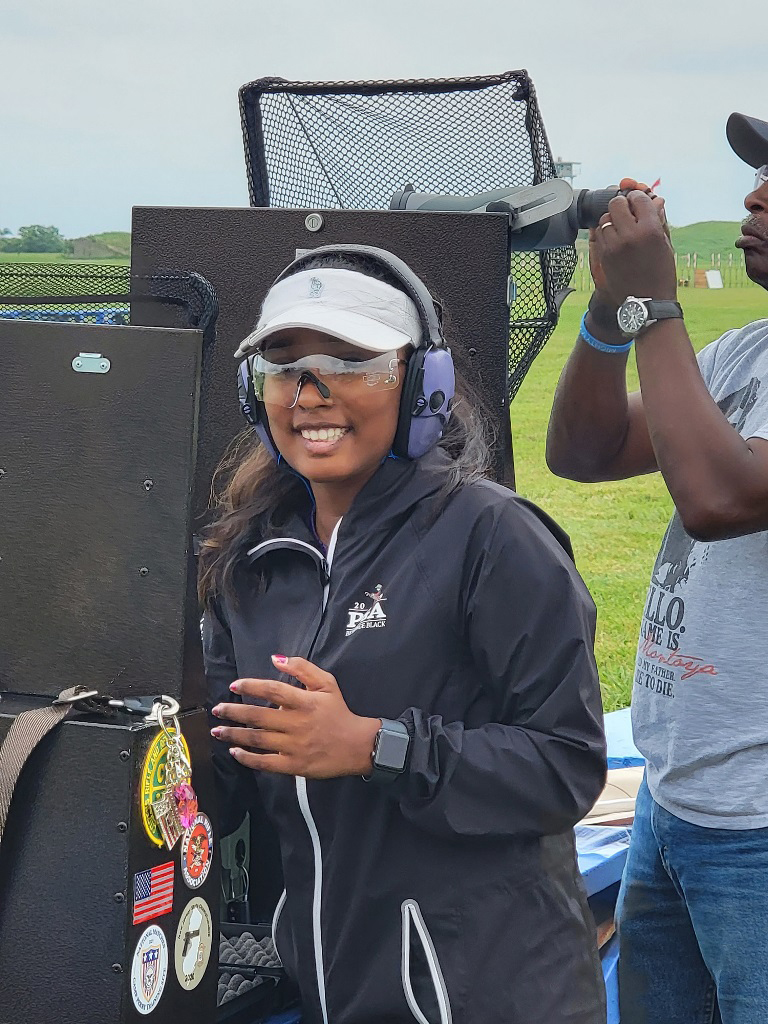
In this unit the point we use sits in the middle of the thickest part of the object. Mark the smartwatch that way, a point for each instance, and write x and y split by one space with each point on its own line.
635 315
390 752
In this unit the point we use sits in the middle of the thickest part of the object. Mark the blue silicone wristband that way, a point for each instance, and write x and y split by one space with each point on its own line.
600 345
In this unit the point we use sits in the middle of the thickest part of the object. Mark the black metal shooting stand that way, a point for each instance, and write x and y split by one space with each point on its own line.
97 590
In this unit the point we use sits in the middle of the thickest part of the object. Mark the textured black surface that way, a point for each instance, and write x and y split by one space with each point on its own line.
463 257
79 522
65 858
245 951
258 996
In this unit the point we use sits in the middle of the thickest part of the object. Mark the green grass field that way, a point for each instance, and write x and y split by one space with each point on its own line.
54 257
616 528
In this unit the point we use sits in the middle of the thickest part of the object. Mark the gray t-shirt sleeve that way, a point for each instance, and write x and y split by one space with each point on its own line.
713 362
707 358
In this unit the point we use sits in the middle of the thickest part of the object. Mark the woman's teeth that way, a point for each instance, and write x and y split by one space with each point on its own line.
324 434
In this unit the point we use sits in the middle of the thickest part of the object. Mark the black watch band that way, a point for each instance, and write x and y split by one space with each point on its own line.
390 751
602 313
663 309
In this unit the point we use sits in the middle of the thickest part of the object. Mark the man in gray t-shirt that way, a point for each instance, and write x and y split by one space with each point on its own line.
693 910
700 697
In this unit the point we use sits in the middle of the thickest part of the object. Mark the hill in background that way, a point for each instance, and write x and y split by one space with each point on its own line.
109 245
707 237
704 238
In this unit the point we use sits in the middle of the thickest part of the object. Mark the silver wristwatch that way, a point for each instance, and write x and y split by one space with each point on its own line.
634 314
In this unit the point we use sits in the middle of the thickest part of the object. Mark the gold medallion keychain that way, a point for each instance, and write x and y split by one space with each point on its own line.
175 808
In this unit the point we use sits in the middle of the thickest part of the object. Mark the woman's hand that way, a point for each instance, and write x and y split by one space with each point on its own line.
311 732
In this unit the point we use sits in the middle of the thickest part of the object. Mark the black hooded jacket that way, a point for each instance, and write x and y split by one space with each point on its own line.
451 894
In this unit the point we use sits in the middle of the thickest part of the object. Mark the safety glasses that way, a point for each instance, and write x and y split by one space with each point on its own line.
761 177
277 383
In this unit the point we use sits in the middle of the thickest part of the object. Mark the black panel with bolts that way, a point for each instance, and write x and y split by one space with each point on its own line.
97 574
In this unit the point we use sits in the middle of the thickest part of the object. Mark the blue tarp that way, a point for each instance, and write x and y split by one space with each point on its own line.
609 955
622 752
602 851
80 316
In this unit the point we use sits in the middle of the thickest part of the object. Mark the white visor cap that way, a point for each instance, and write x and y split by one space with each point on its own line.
342 303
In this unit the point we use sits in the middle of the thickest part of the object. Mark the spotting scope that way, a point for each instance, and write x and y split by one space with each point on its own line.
544 216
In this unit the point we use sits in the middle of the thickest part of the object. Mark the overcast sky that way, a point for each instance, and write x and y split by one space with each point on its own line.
106 105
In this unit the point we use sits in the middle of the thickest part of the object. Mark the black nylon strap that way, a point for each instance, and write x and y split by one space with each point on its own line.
26 731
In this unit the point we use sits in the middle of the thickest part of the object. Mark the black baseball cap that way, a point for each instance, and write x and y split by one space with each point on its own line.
748 138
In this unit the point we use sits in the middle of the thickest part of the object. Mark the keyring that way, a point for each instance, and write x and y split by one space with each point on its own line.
174 738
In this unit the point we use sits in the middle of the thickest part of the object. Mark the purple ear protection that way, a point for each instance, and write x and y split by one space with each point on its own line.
429 384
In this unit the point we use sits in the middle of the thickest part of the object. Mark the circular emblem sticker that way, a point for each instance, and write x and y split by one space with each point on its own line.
149 969
197 852
192 949
153 783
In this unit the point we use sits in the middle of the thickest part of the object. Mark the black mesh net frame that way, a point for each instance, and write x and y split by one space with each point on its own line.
352 145
102 294
96 293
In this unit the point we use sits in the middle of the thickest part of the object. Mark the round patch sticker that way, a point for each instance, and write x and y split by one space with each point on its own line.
153 783
149 969
192 949
197 852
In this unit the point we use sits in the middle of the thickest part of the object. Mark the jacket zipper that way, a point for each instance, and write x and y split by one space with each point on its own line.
301 793
275 919
411 913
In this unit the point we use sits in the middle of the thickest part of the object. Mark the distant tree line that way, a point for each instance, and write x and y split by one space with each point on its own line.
34 238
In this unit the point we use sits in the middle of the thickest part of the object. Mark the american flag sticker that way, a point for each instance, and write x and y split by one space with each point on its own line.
153 892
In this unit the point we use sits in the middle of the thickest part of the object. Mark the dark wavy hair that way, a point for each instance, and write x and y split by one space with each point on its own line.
253 496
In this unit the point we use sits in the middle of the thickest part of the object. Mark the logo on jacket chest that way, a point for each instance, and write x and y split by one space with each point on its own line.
368 614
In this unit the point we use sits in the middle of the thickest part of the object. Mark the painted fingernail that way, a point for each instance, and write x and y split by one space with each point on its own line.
235 687
217 731
235 751
279 659
216 711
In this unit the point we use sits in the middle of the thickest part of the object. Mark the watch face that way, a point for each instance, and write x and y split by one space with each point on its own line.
633 316
391 750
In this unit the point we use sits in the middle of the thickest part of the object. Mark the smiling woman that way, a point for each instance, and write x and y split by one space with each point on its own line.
332 406
426 741
257 480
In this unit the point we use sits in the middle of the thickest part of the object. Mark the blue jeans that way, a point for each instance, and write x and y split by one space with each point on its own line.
693 922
